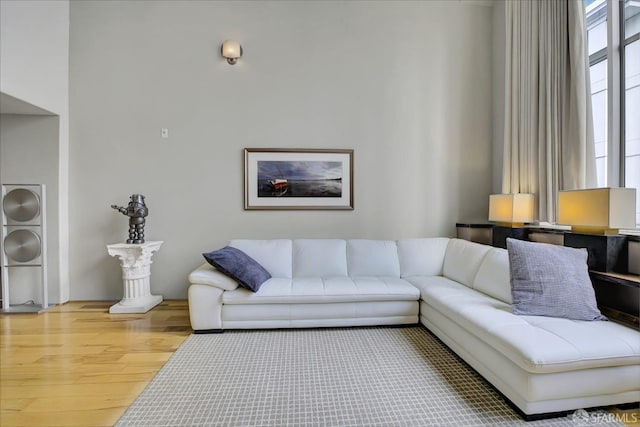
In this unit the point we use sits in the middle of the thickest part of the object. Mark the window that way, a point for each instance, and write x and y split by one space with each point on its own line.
613 37
631 55
596 11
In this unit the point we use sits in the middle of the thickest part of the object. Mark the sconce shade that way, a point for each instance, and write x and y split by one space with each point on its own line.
511 208
231 50
598 210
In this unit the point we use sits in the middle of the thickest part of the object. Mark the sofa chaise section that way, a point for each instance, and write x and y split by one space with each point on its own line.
541 364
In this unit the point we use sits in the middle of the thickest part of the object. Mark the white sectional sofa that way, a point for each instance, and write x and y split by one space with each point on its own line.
459 290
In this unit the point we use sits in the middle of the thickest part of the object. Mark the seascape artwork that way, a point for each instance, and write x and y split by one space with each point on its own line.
285 178
299 178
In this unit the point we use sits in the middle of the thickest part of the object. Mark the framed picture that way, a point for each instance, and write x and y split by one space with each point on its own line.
298 179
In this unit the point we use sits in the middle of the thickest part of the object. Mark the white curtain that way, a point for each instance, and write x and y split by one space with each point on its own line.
548 135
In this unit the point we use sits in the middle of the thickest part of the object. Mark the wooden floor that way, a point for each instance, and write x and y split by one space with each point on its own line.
77 365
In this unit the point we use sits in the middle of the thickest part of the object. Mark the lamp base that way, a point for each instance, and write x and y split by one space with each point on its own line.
598 231
510 224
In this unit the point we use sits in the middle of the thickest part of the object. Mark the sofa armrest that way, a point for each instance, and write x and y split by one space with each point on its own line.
206 274
205 308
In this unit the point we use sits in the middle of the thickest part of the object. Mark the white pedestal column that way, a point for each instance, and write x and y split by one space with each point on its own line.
135 260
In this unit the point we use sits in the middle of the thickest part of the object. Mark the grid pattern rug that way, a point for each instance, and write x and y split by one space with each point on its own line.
325 377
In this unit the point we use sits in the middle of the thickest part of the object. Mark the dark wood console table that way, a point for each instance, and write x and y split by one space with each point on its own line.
618 296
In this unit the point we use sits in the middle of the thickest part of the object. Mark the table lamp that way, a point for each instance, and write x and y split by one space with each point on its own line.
511 210
597 210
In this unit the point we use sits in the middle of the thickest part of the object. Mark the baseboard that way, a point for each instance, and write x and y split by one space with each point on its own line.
631 405
208 331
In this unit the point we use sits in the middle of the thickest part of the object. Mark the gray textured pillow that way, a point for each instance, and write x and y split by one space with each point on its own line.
239 266
551 280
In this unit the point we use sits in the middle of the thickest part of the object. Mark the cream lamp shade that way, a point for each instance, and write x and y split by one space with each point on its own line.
598 210
511 209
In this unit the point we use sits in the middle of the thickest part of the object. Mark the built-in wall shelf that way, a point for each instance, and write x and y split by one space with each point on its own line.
12 105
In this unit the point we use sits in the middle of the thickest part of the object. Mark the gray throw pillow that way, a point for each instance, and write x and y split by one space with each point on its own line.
551 280
239 266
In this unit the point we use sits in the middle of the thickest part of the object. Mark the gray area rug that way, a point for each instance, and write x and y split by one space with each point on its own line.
325 377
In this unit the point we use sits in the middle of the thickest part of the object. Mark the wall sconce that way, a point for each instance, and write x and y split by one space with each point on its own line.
511 210
598 210
231 50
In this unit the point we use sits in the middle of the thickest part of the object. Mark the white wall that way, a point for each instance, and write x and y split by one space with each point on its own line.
34 68
407 85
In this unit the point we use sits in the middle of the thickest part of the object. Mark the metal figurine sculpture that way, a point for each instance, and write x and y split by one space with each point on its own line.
136 210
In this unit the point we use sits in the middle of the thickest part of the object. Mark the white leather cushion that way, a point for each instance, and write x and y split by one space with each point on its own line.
373 258
274 255
319 258
422 257
311 290
462 260
493 277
